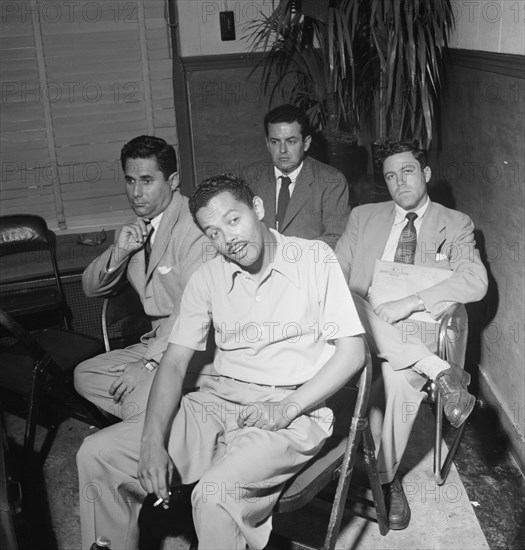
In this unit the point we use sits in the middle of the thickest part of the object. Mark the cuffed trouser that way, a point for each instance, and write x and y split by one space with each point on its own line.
241 471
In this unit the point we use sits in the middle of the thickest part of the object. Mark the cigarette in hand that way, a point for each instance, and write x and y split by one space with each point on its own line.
158 501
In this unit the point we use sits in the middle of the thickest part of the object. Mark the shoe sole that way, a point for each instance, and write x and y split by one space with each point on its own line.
466 414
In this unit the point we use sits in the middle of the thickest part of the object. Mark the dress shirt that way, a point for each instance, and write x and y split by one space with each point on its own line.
400 222
293 177
278 331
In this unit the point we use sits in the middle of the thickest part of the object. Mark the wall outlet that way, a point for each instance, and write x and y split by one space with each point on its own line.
227 21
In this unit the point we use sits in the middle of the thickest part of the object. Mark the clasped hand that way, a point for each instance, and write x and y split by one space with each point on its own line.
272 415
396 310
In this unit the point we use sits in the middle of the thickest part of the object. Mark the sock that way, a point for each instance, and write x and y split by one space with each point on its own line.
431 366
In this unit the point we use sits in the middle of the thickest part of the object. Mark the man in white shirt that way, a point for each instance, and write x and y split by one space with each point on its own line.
433 236
287 337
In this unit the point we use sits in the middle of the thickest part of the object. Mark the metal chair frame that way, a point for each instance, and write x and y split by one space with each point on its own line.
340 462
441 468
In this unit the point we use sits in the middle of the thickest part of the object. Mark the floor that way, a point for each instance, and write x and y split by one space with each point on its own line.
481 506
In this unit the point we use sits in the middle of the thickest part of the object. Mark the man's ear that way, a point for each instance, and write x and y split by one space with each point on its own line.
428 173
174 181
258 207
307 143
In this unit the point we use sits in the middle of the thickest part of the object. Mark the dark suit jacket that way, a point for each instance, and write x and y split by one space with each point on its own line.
178 250
445 241
318 207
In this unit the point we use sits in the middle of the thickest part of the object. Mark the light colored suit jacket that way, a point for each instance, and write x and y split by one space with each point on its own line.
318 207
179 248
445 241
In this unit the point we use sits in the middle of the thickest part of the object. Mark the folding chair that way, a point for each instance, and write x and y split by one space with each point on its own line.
336 461
40 365
451 345
29 233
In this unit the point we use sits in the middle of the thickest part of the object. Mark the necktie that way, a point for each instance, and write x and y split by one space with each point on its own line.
406 247
147 248
282 201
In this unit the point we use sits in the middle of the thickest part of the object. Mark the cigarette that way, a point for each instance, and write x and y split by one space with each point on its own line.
158 501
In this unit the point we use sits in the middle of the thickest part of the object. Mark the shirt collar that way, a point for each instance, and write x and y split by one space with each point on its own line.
401 212
292 175
284 260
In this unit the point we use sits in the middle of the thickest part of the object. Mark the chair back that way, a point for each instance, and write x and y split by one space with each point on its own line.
123 319
25 233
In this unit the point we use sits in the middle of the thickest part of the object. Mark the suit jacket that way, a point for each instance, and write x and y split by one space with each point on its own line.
445 241
179 248
318 207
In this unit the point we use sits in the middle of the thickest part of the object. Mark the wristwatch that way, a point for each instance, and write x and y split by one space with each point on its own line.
150 364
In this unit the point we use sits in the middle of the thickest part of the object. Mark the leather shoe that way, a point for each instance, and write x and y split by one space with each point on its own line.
458 403
396 505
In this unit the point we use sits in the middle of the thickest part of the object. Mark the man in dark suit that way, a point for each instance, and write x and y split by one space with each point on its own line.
303 197
441 238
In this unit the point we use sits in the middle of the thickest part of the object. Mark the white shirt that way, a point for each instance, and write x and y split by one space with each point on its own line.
293 177
400 222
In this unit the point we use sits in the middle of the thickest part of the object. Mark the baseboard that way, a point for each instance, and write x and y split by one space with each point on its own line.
507 424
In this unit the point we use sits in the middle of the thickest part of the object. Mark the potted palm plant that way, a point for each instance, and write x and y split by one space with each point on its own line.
409 38
312 59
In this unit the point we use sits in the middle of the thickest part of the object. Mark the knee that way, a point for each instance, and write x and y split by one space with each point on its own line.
81 375
96 448
208 494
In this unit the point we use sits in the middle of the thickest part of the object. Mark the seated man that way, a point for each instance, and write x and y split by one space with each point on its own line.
302 196
287 337
444 240
157 252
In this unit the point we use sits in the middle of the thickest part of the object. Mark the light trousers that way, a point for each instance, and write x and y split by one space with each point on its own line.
241 471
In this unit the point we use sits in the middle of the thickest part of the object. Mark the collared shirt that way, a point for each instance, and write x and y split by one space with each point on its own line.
400 222
278 331
293 177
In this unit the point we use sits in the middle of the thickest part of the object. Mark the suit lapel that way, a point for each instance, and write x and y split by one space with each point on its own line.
432 235
163 233
376 239
301 193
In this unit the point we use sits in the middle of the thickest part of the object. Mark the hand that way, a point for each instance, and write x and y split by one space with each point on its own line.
394 311
272 415
131 375
131 237
155 471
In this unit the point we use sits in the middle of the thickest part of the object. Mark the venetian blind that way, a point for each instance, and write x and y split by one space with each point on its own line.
79 79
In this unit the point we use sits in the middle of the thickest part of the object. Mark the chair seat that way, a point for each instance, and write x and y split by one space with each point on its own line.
31 301
317 473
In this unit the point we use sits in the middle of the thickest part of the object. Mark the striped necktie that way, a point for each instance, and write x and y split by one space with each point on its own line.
406 246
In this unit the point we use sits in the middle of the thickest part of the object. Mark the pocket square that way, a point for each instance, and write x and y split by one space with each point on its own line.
441 257
163 269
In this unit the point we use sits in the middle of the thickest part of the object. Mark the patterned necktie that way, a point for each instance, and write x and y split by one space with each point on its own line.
406 247
282 201
147 248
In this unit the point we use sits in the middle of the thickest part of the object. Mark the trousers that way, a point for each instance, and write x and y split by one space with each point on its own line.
240 471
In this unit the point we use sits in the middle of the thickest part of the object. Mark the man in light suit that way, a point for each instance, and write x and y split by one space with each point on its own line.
156 252
445 240
315 202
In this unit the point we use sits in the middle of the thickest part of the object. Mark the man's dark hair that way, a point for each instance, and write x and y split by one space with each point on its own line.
145 147
215 185
391 147
289 114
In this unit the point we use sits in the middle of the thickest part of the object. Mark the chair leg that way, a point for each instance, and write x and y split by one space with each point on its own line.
441 471
373 477
336 516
